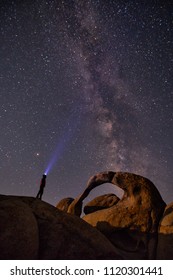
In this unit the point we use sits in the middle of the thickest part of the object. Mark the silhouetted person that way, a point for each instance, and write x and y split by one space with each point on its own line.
42 185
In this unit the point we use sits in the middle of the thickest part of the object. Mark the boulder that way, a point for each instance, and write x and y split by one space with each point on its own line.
165 234
101 202
19 235
64 203
166 223
34 229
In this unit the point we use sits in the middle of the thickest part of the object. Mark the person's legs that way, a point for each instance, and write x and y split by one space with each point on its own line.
41 193
38 194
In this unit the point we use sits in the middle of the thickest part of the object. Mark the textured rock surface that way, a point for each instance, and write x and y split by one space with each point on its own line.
166 223
140 208
165 234
18 231
132 224
64 203
101 202
32 229
137 227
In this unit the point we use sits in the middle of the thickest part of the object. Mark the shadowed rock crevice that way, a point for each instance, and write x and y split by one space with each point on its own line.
101 202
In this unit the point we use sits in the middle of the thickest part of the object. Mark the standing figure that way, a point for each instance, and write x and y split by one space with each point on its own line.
42 185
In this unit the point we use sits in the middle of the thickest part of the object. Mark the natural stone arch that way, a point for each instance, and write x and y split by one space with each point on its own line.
141 204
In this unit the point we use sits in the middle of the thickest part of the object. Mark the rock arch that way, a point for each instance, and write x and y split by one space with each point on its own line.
140 207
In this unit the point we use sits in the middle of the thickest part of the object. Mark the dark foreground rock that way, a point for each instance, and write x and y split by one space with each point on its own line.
19 238
33 229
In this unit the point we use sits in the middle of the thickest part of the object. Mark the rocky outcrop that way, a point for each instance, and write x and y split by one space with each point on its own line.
101 202
131 224
166 223
165 234
33 229
140 208
19 237
137 226
64 203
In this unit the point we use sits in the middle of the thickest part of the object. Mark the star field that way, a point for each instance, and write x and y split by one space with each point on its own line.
88 83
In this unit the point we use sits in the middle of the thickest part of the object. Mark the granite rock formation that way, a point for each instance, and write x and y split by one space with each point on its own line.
166 223
140 208
131 224
137 226
101 202
64 203
19 237
165 234
33 229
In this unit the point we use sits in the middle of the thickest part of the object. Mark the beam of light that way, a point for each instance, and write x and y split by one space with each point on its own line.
56 155
70 130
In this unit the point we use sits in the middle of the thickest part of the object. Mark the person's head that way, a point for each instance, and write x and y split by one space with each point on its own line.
44 176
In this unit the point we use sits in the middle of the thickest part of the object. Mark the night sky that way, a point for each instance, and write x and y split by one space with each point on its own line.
87 87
